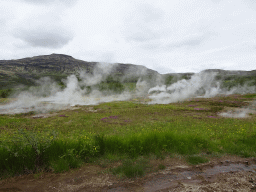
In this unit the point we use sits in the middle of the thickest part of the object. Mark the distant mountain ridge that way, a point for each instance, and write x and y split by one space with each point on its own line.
59 66
60 63
232 72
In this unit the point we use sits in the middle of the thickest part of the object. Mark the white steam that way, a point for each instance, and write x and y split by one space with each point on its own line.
49 95
142 88
100 72
239 113
200 85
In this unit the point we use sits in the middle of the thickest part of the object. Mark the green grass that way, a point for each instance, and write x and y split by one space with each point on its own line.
131 168
124 132
250 96
4 93
194 160
161 166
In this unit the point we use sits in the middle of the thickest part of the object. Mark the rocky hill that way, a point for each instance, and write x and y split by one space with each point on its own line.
58 66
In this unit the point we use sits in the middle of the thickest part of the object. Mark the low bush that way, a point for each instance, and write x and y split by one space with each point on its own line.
4 93
194 160
131 168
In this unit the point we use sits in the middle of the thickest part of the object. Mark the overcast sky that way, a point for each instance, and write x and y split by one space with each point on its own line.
165 35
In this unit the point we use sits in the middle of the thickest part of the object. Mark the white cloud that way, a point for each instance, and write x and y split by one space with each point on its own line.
167 36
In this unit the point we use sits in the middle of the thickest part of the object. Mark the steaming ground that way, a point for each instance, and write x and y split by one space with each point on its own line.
50 97
200 85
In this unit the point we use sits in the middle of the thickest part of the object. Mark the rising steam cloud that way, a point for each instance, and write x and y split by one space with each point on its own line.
49 95
201 85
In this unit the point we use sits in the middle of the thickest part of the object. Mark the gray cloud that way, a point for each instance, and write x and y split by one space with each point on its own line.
251 4
3 22
189 42
216 1
151 45
149 13
6 16
142 25
45 38
48 2
38 1
193 40
142 35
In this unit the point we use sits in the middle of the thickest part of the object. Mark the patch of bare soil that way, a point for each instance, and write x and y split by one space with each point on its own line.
87 178
70 108
220 174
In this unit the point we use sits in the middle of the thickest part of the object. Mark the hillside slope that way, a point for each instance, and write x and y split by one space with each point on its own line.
58 66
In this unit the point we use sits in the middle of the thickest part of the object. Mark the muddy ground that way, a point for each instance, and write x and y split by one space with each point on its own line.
220 174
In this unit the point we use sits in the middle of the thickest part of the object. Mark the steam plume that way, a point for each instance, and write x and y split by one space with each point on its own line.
49 95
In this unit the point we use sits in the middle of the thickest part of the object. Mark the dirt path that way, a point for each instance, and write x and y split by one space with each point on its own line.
224 174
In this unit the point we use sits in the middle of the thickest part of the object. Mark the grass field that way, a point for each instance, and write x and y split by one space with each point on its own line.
126 132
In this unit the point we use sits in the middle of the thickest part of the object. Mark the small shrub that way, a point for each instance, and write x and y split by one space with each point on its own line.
216 109
161 167
131 169
4 93
100 142
194 160
72 159
26 152
60 165
25 114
